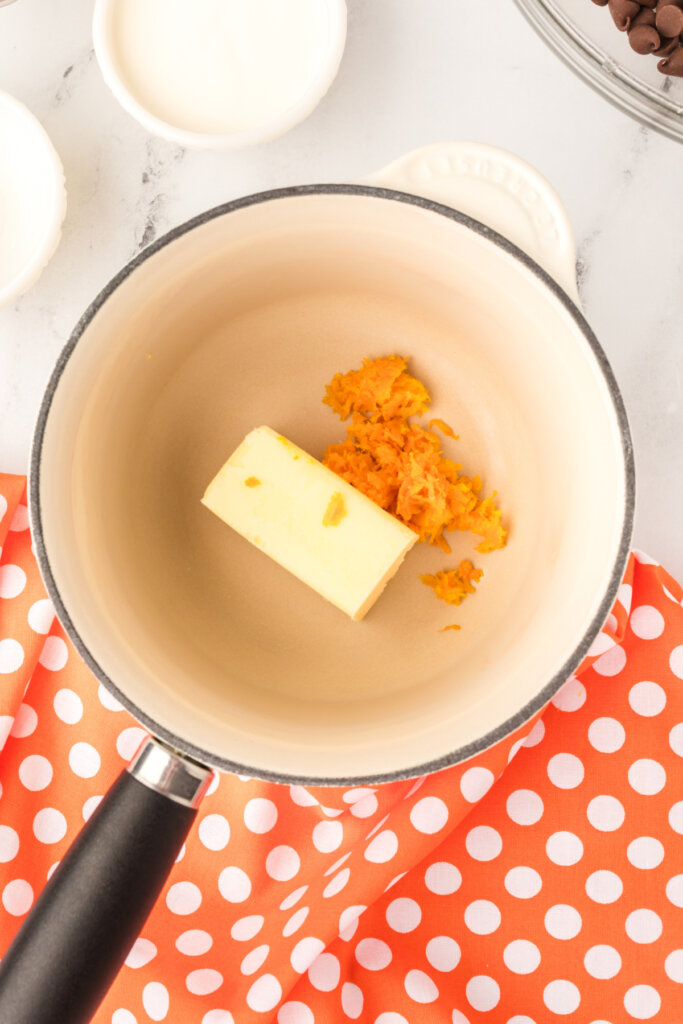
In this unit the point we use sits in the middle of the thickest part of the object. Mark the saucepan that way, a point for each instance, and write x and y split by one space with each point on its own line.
458 256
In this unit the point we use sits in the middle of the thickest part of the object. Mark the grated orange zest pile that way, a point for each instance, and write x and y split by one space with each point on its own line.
381 390
400 465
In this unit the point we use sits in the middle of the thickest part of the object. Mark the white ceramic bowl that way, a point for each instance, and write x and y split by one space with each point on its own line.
330 58
32 198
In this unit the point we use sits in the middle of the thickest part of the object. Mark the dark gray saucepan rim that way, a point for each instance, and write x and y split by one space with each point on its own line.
563 673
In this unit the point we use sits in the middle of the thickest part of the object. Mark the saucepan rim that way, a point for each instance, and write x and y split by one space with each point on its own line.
530 708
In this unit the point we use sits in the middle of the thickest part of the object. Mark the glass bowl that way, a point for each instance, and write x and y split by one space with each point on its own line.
587 39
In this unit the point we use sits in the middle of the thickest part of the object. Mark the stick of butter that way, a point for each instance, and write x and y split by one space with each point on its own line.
308 519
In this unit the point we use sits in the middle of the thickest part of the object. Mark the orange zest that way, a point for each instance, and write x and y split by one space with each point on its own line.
444 428
401 467
453 585
381 390
399 464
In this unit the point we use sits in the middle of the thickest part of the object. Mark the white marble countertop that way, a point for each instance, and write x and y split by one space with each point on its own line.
412 73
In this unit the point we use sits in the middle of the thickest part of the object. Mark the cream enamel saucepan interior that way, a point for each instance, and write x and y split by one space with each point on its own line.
240 318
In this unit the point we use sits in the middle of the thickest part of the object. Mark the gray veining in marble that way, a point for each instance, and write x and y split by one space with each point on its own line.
412 73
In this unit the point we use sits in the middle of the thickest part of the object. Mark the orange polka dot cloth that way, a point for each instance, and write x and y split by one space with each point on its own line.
540 882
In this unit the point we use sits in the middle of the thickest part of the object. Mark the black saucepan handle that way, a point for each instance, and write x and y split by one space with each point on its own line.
71 946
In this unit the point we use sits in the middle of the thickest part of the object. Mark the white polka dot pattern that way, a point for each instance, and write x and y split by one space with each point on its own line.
522 956
483 843
602 962
475 783
443 953
525 807
156 1001
403 915
255 959
647 699
260 815
9 844
373 954
234 885
564 848
604 886
12 581
523 882
17 897
606 735
328 836
54 654
325 972
35 772
429 815
214 832
442 878
483 993
571 697
141 954
554 876
194 942
382 848
645 852
283 863
247 927
562 997
68 706
352 1000
563 921
606 813
642 1002
84 760
183 898
49 825
482 917
420 987
305 952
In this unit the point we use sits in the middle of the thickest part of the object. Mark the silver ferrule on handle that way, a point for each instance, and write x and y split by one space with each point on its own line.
169 773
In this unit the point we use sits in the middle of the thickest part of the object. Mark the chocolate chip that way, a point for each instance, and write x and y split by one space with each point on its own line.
653 26
667 47
669 20
642 35
644 39
645 16
673 64
623 11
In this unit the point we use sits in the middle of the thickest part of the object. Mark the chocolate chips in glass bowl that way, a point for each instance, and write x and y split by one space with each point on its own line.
652 26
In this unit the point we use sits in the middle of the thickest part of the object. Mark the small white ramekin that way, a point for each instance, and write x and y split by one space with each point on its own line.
46 171
317 88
